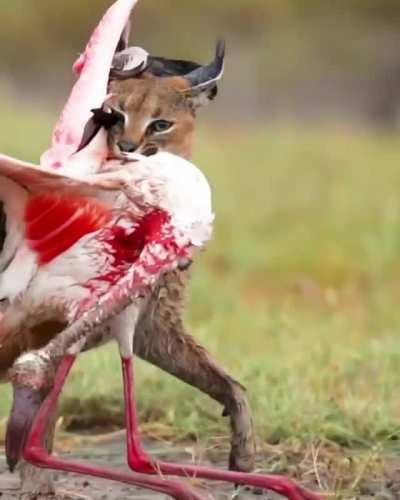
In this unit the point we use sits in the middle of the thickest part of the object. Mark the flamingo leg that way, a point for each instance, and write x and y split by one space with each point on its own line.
139 461
36 453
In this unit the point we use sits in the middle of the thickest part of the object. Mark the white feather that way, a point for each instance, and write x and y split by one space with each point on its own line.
16 278
180 188
14 198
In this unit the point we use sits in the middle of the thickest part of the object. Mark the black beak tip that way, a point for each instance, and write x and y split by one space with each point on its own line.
12 463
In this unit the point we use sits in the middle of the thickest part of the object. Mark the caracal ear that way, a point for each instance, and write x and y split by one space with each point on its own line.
202 82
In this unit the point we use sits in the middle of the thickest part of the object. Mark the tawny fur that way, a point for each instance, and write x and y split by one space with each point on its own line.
162 339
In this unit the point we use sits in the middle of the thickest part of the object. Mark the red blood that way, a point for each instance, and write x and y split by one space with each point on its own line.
54 223
127 245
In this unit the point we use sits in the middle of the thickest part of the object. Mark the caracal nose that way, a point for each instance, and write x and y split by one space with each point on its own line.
127 146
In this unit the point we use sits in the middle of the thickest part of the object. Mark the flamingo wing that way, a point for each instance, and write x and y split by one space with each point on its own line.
37 179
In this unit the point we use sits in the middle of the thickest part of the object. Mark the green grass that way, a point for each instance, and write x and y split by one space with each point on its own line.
304 271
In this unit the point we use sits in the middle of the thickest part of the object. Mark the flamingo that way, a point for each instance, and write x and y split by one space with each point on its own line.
120 224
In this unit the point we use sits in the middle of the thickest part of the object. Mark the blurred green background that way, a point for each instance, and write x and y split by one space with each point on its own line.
302 151
293 58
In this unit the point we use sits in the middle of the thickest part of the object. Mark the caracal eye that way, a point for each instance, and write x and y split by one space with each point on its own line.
159 126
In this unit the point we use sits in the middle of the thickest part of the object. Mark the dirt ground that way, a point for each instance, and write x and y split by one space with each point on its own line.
111 452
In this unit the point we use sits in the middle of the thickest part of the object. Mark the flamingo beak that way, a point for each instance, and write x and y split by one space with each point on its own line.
27 402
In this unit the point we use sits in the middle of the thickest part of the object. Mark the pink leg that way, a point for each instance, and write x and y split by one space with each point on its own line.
36 453
139 461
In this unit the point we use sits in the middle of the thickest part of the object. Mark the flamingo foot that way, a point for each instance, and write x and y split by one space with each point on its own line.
140 462
36 453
